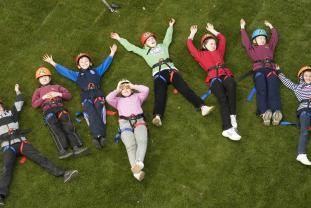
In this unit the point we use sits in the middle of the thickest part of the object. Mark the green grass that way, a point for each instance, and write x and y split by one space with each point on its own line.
188 162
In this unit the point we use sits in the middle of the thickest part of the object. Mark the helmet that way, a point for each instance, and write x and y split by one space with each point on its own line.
123 81
303 69
145 36
42 71
205 37
80 56
259 32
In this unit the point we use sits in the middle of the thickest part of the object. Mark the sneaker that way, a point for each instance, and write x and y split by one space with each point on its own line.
266 117
157 121
96 143
1 200
276 117
137 167
102 141
70 174
80 151
231 134
139 176
64 154
205 110
233 121
303 159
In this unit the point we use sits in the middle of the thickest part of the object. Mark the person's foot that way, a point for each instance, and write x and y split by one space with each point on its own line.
266 117
139 176
80 151
1 200
157 121
303 159
70 174
102 141
137 167
276 118
96 143
205 110
233 121
231 134
64 154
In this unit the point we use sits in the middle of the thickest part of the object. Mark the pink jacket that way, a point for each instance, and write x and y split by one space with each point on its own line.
37 100
131 105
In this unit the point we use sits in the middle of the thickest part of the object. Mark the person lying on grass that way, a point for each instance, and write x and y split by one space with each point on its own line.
128 98
266 81
14 143
163 71
302 91
219 77
92 98
50 98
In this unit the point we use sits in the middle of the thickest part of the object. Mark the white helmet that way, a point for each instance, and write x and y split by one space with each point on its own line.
123 81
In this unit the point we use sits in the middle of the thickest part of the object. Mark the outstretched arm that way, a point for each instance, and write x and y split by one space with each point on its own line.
19 102
169 33
127 45
106 63
274 35
245 40
221 38
192 49
287 82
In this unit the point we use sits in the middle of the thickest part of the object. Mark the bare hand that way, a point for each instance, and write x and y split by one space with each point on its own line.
277 67
193 29
209 27
49 59
16 88
172 22
242 23
113 49
115 36
268 24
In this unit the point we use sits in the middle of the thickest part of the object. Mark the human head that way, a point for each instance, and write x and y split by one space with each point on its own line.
83 61
259 37
208 42
305 74
148 39
124 87
43 75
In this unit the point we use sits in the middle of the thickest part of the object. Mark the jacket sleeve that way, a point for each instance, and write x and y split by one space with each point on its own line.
18 105
274 39
246 42
221 44
36 100
132 48
69 74
66 95
112 99
193 50
288 83
168 36
143 92
101 69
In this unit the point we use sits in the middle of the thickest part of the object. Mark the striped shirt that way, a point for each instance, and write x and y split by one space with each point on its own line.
302 90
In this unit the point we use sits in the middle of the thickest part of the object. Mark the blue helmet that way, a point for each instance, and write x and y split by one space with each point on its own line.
259 32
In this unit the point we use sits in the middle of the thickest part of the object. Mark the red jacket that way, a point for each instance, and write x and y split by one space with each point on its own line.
37 100
208 59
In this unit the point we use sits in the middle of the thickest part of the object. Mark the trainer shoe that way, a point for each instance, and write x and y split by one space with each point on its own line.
233 121
303 159
137 167
157 121
205 110
266 117
64 154
80 151
2 201
70 174
96 143
231 134
277 117
139 176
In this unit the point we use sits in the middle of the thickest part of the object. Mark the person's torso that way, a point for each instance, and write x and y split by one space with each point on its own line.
128 106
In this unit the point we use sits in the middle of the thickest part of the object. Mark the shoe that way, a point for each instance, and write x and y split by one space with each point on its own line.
80 151
205 110
139 176
102 141
276 117
266 117
157 121
64 154
137 167
96 143
303 159
2 201
70 174
234 123
231 134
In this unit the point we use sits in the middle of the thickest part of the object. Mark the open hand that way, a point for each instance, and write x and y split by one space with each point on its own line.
242 23
209 27
268 24
193 29
115 36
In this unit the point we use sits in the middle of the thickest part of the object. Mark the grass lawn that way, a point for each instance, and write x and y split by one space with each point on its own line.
188 162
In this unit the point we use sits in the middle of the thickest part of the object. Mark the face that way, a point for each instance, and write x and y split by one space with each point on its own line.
151 42
307 77
125 90
260 40
84 63
210 44
45 80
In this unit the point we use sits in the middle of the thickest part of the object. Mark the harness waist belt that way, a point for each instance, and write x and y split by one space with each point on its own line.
161 62
9 136
134 117
13 141
264 61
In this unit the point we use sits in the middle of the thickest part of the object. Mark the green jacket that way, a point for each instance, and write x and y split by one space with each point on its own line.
153 55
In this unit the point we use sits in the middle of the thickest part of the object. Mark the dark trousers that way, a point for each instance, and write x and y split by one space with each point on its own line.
225 91
267 91
95 114
63 131
160 91
9 160
304 119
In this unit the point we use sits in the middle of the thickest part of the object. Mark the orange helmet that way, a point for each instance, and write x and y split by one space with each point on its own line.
42 71
205 37
82 55
303 69
145 36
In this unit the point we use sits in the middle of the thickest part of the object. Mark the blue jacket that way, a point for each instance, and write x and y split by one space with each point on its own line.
88 80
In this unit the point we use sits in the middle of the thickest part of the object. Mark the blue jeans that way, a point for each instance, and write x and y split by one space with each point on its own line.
305 118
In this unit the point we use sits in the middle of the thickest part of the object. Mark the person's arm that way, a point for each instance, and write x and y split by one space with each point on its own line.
191 48
65 94
112 98
36 100
143 91
127 45
169 33
221 44
101 69
287 82
274 36
18 104
245 39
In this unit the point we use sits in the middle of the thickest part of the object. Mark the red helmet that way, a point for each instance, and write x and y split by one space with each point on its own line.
205 37
42 71
82 55
145 36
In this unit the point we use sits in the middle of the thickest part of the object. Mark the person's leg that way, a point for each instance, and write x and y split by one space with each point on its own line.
128 139
9 160
261 92
304 118
160 93
99 104
230 86
141 136
274 98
